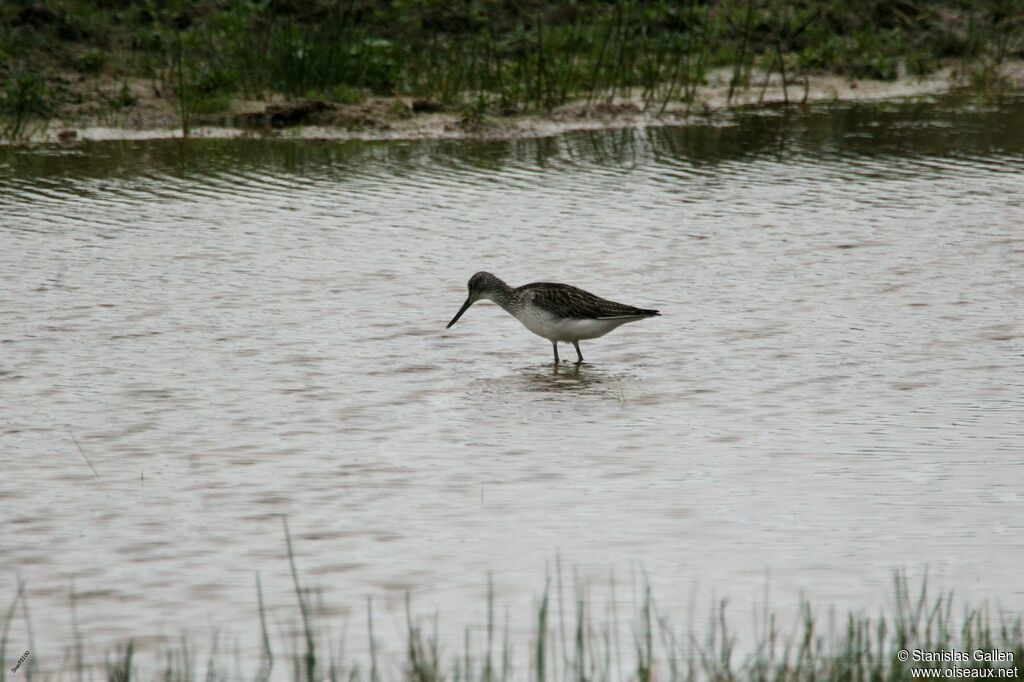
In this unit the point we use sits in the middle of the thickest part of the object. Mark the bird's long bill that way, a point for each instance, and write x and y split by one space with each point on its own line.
464 308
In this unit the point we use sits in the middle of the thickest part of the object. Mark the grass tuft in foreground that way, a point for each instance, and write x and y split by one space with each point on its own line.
577 638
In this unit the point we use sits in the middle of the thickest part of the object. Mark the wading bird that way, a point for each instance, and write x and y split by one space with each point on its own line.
558 312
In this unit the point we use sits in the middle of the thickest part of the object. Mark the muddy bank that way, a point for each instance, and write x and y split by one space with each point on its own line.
152 115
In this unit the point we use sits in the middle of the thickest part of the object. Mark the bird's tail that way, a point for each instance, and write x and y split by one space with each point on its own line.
638 315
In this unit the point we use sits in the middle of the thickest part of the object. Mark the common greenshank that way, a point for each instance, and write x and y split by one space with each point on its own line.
558 312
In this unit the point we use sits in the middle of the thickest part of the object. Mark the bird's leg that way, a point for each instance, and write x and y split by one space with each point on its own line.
578 353
554 344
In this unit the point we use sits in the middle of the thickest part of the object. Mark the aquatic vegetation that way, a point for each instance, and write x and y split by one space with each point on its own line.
116 102
583 641
342 94
518 57
24 99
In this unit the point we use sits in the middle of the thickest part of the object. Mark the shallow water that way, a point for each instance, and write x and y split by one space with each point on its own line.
236 330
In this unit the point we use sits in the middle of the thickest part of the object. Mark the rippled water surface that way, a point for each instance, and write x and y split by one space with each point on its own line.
236 330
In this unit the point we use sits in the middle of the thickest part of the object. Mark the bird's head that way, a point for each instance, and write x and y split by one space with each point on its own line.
481 285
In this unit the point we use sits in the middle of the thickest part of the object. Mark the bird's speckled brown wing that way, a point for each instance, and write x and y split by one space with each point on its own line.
568 301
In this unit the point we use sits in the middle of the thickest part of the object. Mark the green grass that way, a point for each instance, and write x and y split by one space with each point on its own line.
24 99
577 637
524 55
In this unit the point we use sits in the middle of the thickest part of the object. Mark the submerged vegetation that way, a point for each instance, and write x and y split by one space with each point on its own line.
579 638
481 56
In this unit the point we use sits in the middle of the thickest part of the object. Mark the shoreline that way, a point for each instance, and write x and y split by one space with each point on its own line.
154 117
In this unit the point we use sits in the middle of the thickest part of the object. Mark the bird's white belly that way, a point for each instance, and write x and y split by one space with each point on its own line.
554 328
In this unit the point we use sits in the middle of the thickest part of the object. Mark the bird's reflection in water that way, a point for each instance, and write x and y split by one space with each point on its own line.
566 377
544 382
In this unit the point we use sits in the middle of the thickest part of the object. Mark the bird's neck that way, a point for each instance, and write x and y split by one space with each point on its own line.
504 295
